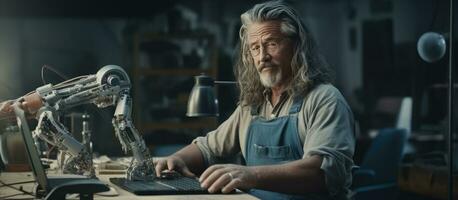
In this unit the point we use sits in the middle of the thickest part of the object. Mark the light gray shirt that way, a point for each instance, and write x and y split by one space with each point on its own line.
326 128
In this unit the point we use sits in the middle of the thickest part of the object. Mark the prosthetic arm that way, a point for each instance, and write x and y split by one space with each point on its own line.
109 87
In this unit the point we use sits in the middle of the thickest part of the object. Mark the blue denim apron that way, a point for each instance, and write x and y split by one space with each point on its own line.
274 141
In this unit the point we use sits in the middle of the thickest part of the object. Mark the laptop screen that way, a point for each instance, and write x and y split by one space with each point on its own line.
34 158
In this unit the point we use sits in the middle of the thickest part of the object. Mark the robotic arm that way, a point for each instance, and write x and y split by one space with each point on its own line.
141 166
109 87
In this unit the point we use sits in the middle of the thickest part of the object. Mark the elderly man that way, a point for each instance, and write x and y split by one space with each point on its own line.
293 128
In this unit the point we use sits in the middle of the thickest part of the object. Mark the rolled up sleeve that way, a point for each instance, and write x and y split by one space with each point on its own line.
224 141
202 144
331 135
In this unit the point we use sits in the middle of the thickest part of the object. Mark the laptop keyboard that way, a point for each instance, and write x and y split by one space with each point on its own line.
181 185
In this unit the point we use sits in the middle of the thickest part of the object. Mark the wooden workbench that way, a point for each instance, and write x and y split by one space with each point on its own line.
116 194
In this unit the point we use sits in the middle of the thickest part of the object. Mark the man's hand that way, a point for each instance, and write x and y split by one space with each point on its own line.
188 161
226 178
172 163
6 108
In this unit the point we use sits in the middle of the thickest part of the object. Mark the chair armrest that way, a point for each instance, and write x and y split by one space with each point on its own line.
363 177
377 191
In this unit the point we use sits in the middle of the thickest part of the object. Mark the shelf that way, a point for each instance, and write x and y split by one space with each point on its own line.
171 72
150 67
152 126
163 36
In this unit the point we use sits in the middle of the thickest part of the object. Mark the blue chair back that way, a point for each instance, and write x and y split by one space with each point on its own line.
384 155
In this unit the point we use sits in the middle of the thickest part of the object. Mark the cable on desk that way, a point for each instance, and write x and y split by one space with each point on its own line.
18 189
16 183
9 196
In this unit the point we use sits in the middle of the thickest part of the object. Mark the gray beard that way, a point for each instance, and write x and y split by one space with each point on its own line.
270 80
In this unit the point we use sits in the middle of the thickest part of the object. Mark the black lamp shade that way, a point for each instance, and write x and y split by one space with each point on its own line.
202 101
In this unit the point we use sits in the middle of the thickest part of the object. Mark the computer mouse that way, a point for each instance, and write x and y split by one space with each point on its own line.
169 174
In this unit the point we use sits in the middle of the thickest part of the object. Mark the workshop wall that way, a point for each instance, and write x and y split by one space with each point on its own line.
77 43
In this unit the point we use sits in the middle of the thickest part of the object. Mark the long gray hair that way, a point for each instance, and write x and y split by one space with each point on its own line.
307 67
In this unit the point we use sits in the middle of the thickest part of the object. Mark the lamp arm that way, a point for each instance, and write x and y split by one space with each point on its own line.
225 82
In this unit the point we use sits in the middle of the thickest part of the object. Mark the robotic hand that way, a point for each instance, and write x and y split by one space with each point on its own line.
109 87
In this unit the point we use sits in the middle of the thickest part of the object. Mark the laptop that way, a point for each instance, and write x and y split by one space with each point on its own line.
160 186
169 182
54 187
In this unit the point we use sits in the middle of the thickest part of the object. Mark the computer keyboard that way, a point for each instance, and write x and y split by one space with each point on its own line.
180 185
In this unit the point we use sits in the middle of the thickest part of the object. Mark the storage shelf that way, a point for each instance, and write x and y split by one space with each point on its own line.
143 70
170 72
168 36
179 125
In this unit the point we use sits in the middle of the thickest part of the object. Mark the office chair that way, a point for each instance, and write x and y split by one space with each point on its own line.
376 178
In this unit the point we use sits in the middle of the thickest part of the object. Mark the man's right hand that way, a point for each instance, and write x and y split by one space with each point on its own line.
172 162
6 109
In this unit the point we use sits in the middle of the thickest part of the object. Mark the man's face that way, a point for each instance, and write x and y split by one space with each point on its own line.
271 51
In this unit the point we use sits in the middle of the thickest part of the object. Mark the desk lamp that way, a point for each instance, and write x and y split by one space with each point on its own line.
202 101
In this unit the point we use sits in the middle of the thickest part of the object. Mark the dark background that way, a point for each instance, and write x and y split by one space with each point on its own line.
370 45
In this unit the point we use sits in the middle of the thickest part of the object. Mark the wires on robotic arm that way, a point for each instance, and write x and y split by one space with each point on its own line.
108 87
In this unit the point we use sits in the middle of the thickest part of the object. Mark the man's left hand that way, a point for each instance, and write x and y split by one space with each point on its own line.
227 177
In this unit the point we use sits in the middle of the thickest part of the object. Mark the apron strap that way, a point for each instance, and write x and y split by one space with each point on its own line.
295 108
255 110
297 104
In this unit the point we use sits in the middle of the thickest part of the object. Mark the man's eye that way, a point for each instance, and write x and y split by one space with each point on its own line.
272 44
254 48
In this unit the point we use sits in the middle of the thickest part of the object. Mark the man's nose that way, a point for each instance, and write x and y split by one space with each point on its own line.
264 54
